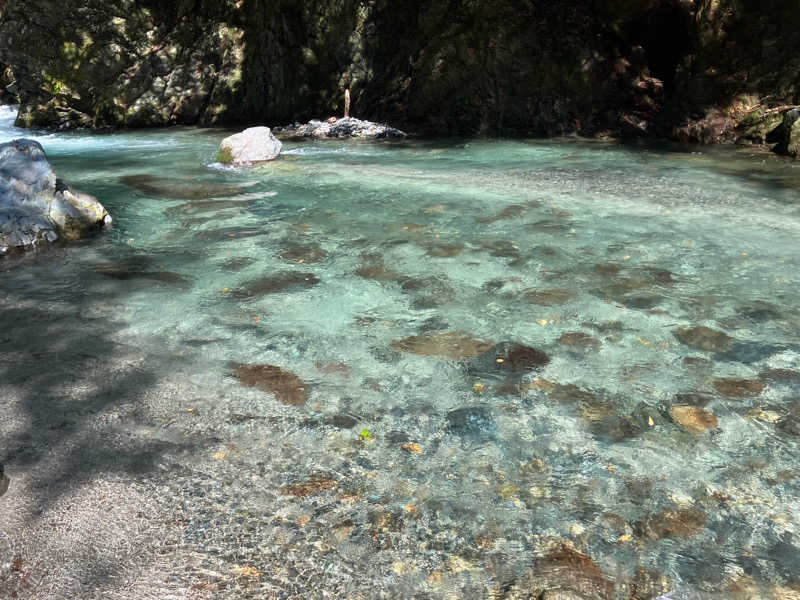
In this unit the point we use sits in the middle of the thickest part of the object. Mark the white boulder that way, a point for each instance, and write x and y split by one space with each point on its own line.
251 146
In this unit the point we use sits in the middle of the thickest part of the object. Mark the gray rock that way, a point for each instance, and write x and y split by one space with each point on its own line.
251 146
681 594
472 422
4 480
507 359
348 127
789 132
35 206
749 352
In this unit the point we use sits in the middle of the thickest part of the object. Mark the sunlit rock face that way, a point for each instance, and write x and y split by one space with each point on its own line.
119 63
35 206
249 147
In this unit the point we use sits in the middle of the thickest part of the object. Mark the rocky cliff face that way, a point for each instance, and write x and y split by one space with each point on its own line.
697 69
101 63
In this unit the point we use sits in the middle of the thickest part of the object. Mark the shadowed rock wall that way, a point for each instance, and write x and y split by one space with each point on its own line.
694 69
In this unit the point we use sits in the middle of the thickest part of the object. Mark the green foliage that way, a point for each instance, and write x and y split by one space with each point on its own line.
55 86
366 435
225 156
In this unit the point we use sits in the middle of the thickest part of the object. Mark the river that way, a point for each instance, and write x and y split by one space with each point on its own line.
312 346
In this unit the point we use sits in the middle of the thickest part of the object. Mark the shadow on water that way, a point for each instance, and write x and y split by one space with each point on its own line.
754 165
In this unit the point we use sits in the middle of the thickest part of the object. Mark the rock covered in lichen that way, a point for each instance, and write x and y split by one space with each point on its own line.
35 206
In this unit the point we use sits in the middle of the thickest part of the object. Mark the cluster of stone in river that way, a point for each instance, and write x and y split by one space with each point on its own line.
486 370
509 369
498 377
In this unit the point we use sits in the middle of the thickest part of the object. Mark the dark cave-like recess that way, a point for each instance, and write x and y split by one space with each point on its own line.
664 34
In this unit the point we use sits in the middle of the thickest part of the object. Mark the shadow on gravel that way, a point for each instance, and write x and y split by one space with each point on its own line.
64 382
71 398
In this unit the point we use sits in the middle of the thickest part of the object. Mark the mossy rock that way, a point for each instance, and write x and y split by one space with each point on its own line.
225 156
757 126
791 132
788 134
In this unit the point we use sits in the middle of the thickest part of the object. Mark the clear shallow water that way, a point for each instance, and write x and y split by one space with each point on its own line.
375 273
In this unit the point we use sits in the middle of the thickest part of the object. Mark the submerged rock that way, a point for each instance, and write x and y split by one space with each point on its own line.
697 362
661 276
378 272
348 127
447 344
471 421
128 271
444 250
550 226
571 393
311 253
561 572
342 421
209 206
35 206
222 234
622 286
738 388
252 146
693 399
310 487
501 248
693 418
375 269
549 297
579 339
704 338
760 312
285 282
238 263
287 387
427 292
781 376
790 423
513 211
333 368
607 269
507 358
672 523
185 189
605 423
641 301
749 352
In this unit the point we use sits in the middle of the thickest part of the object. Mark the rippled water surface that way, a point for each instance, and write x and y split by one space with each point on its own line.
466 363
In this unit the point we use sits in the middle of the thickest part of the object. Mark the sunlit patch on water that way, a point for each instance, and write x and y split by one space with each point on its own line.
498 365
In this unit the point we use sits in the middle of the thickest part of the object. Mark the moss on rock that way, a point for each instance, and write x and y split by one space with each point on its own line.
225 156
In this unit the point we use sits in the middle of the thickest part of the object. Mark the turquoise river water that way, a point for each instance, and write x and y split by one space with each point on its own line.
467 363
